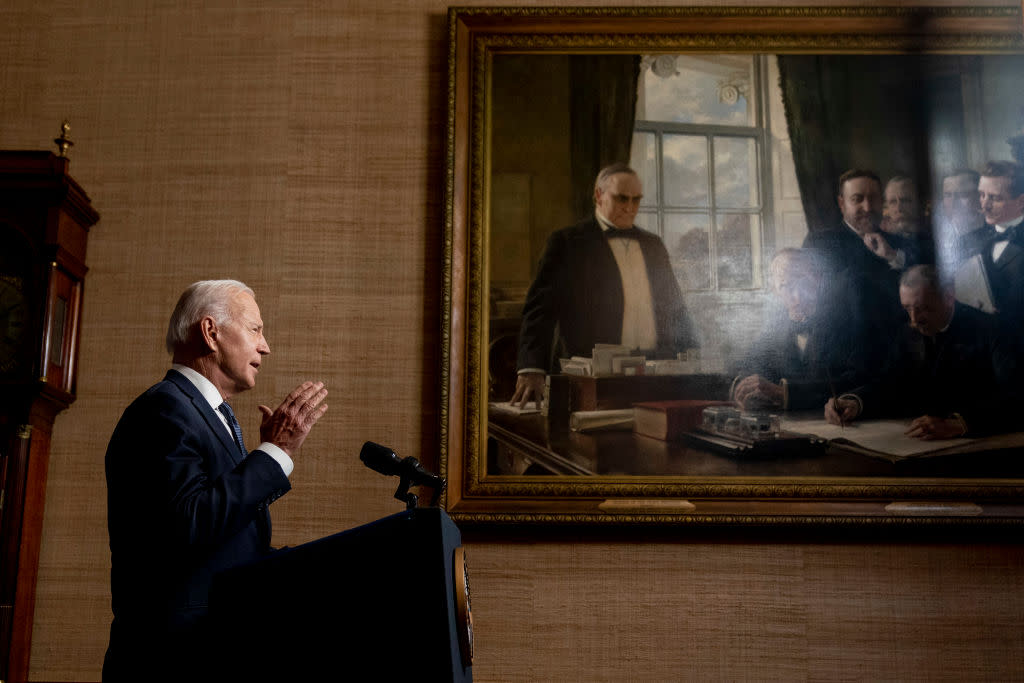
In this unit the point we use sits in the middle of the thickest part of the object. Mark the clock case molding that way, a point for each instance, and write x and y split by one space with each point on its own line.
45 217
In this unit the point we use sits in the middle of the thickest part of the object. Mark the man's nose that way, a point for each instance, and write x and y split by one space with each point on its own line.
263 348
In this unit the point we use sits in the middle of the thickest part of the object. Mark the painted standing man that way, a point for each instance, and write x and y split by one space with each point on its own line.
603 280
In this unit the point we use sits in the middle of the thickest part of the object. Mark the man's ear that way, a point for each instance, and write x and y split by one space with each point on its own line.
208 330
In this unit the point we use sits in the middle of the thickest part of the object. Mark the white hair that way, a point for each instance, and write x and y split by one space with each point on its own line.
605 174
926 276
204 298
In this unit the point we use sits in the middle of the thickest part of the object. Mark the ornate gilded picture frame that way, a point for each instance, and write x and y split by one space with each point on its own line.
528 93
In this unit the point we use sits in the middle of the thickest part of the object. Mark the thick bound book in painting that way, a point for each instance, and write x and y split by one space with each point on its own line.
669 420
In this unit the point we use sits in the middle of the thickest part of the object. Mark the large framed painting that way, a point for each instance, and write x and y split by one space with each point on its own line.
806 205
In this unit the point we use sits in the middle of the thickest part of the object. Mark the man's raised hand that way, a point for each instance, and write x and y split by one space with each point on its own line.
288 426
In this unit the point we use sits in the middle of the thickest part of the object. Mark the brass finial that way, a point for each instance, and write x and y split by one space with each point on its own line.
63 143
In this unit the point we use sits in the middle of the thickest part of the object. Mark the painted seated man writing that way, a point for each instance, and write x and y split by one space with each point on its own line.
950 368
814 345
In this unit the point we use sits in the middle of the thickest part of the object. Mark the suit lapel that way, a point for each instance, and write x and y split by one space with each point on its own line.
226 441
598 244
202 406
1011 256
598 258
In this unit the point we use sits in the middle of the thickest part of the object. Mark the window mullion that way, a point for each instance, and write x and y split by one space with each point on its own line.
712 216
659 151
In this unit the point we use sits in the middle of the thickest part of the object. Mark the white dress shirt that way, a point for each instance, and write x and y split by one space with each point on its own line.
638 327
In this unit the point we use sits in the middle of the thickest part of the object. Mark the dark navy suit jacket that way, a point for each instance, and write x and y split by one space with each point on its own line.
578 288
183 504
970 369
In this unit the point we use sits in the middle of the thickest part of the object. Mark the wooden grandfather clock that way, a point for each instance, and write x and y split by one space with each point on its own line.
45 218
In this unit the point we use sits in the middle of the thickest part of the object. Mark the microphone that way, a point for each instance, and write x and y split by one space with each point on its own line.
384 460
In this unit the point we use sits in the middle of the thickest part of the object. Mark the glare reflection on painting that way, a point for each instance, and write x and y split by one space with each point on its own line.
742 264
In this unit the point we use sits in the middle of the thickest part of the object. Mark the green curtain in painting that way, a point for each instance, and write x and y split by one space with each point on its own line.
870 112
603 91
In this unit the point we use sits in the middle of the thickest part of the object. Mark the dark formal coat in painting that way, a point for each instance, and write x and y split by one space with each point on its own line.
841 349
969 369
843 249
183 504
578 291
1006 278
845 254
954 249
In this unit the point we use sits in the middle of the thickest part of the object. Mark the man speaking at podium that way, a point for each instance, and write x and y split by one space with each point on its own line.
185 499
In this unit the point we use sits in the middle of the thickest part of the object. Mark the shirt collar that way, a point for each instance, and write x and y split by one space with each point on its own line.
204 385
606 224
1004 228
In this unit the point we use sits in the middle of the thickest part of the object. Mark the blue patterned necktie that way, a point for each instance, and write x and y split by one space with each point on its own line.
236 429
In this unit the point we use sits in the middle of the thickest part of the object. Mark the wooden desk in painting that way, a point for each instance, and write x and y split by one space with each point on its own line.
531 445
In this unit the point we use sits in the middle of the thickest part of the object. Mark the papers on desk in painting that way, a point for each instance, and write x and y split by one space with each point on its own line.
506 408
972 286
579 421
601 420
887 438
612 359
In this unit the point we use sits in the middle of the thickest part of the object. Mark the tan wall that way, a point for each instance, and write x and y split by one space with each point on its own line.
298 146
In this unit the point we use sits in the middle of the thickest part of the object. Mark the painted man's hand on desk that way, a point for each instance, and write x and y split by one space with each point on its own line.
529 386
928 428
841 411
755 392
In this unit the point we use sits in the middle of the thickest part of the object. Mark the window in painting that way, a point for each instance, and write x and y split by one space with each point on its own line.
699 146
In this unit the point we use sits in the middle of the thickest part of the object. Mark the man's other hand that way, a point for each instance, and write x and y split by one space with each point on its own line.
928 428
757 393
529 385
288 426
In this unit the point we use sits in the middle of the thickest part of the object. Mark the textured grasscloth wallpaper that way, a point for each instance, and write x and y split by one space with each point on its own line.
298 145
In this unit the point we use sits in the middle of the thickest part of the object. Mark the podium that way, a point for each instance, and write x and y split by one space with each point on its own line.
384 601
